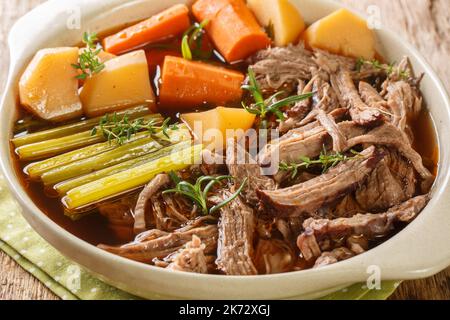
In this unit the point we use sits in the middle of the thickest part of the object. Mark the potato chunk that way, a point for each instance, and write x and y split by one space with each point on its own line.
286 20
210 127
342 32
124 82
48 88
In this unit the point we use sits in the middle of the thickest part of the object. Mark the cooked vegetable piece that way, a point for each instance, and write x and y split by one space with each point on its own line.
344 33
188 84
281 17
36 169
156 56
73 128
210 127
170 22
106 159
232 27
48 88
63 187
105 56
131 179
124 82
49 148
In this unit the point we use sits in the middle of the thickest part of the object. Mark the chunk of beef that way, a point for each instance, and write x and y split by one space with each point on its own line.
236 233
300 110
308 197
390 136
320 233
159 244
327 121
359 111
149 191
299 143
373 99
391 183
190 258
332 63
404 104
277 66
330 257
241 166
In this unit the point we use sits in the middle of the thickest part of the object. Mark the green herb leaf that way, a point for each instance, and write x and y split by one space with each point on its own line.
262 107
192 42
199 194
122 129
390 68
227 201
185 49
88 61
325 160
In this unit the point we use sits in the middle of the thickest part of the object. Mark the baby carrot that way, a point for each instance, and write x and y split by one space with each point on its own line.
170 22
232 27
188 84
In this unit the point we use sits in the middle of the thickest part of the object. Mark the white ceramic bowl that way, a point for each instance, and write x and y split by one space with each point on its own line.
420 250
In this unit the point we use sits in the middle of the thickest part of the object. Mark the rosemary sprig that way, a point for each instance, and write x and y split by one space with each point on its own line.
88 61
325 160
264 107
198 193
192 42
388 68
121 129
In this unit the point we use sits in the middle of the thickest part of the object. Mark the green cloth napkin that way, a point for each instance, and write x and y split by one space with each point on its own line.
68 281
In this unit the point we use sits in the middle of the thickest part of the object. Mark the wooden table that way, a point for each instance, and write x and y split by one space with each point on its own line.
424 23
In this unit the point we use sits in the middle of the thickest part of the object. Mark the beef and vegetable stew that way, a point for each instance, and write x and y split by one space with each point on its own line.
142 141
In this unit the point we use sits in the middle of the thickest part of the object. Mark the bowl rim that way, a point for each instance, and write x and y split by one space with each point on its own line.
38 217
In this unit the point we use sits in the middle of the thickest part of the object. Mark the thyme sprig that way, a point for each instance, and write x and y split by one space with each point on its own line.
121 129
198 192
390 68
88 61
325 160
192 42
264 107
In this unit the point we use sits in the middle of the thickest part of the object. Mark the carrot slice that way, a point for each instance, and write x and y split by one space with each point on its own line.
170 22
188 84
155 57
233 27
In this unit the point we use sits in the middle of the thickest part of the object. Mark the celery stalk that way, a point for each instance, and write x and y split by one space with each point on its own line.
73 128
106 159
36 169
118 183
63 187
53 147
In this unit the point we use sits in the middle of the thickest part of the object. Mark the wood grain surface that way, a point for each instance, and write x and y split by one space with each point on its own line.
424 23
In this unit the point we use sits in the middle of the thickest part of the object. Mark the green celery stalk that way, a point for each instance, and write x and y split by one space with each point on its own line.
133 178
36 169
106 159
53 147
73 128
63 187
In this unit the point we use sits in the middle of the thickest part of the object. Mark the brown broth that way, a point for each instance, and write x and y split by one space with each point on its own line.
425 142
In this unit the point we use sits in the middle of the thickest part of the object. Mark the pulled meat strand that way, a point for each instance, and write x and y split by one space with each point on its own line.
319 232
